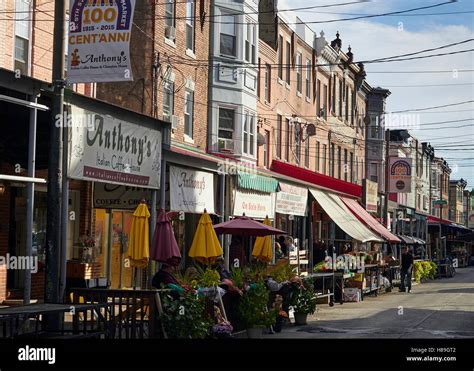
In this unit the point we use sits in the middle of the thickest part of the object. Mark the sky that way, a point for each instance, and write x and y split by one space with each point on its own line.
377 37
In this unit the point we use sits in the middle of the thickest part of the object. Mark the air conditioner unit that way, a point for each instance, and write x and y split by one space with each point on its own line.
226 145
174 121
170 32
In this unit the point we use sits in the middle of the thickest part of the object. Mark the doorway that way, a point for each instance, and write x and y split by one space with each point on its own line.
120 270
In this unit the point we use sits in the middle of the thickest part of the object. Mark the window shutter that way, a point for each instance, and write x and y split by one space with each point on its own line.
202 12
313 70
293 57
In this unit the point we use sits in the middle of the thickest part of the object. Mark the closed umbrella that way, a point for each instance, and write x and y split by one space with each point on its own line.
164 247
205 247
262 249
139 243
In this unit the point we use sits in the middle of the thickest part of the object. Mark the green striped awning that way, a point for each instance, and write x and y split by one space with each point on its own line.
257 182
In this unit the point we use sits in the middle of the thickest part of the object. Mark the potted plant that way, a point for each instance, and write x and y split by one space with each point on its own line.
303 301
254 312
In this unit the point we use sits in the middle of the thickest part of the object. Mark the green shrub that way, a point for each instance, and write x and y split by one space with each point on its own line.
418 271
303 299
253 307
186 318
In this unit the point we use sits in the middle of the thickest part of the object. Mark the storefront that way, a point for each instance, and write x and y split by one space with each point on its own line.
116 155
254 196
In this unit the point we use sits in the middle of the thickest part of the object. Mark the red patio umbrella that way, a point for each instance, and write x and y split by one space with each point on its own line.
164 247
244 226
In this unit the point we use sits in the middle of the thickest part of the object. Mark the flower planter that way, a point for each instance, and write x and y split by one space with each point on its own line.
301 319
255 333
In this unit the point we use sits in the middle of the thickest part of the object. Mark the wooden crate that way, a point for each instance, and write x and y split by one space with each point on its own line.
83 270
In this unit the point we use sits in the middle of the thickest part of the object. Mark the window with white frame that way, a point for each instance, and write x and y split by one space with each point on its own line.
170 19
228 44
268 78
306 153
22 35
374 172
189 113
248 143
288 62
308 77
280 57
250 41
190 15
226 123
168 99
299 77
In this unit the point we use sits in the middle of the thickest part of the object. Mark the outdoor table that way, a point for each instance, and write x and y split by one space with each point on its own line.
323 277
14 319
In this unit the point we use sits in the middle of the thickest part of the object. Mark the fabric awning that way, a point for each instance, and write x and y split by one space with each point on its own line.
257 182
343 217
369 220
407 239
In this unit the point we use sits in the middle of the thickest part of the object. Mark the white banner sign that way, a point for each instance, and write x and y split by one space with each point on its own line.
99 40
291 200
254 205
191 191
400 175
113 151
371 194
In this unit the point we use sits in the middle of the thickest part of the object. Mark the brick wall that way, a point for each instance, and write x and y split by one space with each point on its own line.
3 283
148 38
41 40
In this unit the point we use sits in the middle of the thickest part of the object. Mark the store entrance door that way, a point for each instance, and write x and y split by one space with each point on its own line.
120 269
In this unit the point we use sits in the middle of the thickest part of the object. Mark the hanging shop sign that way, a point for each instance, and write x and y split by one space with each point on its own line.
371 195
254 204
400 175
113 151
291 200
191 191
99 40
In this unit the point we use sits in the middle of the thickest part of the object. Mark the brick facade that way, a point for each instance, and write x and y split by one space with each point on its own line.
149 44
304 106
3 283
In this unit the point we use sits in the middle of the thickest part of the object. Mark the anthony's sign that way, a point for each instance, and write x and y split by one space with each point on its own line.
113 151
400 175
99 40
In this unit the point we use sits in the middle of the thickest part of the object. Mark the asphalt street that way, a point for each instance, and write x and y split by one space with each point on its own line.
442 308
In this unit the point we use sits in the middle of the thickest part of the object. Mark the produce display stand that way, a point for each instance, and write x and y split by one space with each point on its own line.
393 273
325 290
373 285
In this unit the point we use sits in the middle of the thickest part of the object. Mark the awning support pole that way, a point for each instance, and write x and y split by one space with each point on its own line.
30 197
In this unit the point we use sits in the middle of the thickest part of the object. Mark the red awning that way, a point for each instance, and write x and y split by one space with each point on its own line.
435 219
369 220
317 179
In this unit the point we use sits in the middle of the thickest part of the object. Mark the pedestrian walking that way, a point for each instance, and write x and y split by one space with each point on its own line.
406 269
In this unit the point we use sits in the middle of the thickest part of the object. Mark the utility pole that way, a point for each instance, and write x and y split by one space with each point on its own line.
387 175
53 231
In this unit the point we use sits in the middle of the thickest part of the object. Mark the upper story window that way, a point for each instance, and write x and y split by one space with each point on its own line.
228 44
299 77
189 113
250 41
279 135
280 57
308 76
168 99
288 62
268 79
22 36
249 134
170 20
325 101
190 16
226 123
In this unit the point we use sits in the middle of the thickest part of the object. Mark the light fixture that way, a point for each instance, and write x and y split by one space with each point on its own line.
2 188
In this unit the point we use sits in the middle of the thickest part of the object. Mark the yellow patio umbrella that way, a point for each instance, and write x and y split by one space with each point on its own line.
206 246
139 242
262 249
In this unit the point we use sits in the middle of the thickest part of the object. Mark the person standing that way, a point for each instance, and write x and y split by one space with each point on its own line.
406 269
